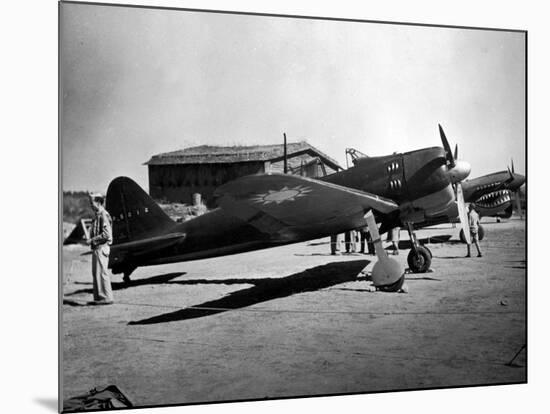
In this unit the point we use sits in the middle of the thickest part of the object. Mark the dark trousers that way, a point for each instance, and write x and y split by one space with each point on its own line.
365 237
334 240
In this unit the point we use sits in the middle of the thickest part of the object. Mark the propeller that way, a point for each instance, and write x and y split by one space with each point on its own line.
511 177
458 171
447 147
508 181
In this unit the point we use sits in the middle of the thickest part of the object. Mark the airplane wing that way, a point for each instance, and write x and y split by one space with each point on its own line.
294 207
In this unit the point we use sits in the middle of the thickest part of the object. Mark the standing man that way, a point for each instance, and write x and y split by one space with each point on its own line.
101 237
335 244
350 240
473 221
393 237
366 239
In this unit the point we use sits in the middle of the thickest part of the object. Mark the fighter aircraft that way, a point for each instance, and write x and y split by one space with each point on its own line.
492 194
262 211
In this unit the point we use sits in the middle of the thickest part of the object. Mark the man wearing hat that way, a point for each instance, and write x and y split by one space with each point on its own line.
101 237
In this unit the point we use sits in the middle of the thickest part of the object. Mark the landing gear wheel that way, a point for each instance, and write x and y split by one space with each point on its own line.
420 261
480 234
429 251
394 287
462 236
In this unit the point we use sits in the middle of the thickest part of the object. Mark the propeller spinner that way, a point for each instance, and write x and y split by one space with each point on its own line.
458 170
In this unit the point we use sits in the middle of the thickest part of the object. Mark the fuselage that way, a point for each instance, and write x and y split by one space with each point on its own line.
418 181
209 235
480 186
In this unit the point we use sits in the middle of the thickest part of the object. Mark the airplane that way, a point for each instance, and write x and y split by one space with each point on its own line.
268 210
491 194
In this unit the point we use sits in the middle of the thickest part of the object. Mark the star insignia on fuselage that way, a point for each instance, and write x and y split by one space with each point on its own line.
279 196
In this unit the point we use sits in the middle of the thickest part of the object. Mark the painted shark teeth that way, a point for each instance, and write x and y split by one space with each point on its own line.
494 199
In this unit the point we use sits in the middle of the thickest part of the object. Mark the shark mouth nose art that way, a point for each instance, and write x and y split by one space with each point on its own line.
494 199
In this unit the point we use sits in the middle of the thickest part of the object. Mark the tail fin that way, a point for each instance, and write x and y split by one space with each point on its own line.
135 214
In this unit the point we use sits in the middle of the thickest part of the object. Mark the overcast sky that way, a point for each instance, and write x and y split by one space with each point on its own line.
138 82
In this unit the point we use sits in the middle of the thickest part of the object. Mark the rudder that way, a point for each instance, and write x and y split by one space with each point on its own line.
135 214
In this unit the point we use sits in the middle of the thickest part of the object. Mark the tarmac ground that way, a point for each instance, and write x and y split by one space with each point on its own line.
296 321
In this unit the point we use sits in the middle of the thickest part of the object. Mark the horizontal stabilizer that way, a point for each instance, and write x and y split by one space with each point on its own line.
154 243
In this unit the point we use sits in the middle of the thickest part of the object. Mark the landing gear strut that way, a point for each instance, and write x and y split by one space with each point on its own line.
127 271
420 257
387 274
126 277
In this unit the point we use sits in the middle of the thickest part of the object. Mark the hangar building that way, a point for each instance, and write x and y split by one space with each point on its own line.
175 176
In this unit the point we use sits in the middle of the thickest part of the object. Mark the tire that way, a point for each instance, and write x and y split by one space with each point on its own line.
462 236
420 262
429 251
394 287
480 232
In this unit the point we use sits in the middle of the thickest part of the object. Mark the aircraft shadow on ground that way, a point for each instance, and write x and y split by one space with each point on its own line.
155 280
403 245
444 238
264 290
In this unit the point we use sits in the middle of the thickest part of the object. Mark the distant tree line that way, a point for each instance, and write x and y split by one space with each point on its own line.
76 205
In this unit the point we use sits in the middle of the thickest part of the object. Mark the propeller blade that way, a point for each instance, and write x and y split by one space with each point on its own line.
512 165
447 147
456 151
511 178
462 213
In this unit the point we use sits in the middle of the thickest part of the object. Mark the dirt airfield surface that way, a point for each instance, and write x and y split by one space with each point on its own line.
296 321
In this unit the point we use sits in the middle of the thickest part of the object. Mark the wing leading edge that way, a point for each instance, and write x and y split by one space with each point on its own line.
294 207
